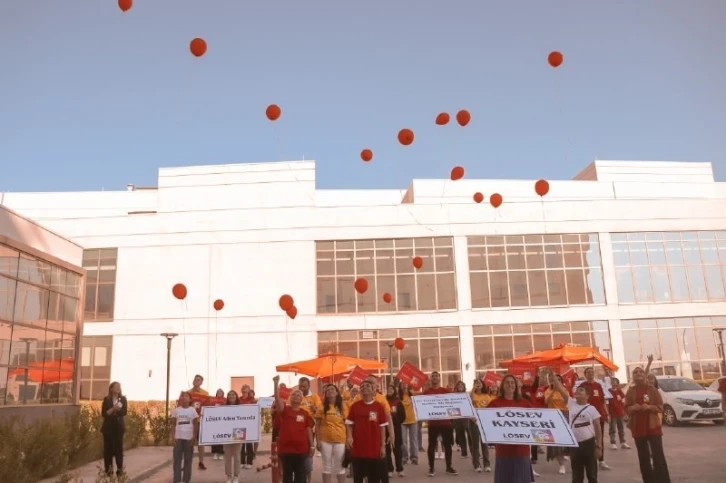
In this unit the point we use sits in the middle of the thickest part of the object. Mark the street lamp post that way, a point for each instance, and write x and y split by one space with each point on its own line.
719 331
390 361
169 337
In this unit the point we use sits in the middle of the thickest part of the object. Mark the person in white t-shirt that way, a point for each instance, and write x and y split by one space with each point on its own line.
585 424
185 424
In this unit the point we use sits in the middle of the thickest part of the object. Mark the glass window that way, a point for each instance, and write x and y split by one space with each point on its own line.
100 265
9 259
387 266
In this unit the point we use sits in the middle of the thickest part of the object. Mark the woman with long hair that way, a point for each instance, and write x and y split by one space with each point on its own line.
113 410
232 452
462 435
247 453
554 400
398 415
218 449
295 441
480 398
513 462
330 428
409 429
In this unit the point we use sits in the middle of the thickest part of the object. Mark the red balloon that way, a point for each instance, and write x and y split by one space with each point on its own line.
273 112
542 187
198 47
399 343
180 291
442 119
405 137
417 262
496 200
218 304
286 302
366 155
361 285
387 298
292 312
555 59
457 173
463 117
125 5
478 197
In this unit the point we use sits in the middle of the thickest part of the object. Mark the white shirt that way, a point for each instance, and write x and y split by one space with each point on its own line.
185 418
583 428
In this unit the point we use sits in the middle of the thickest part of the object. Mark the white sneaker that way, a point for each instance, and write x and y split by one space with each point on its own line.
229 480
625 446
401 474
614 447
390 474
478 469
604 466
236 480
562 469
535 473
488 469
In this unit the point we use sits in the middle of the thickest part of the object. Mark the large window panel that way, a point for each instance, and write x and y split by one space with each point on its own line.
7 298
100 265
387 266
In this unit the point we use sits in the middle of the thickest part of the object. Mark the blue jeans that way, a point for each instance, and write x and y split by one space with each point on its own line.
183 450
410 442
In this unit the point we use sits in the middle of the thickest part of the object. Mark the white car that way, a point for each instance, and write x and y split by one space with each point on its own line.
684 400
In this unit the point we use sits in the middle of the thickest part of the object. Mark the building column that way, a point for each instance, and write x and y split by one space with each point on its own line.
466 344
461 270
610 282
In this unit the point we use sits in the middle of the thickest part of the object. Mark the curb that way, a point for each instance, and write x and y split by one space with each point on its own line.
151 471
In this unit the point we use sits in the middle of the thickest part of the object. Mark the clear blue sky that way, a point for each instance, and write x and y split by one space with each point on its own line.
91 98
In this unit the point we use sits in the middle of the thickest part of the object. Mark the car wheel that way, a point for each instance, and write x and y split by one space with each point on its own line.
669 416
718 422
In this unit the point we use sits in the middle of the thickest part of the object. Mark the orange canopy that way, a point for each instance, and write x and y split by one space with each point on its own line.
48 372
330 364
562 354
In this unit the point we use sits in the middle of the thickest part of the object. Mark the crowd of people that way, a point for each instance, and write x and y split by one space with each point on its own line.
361 432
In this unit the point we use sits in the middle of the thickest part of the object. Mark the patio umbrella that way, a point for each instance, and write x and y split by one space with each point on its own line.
329 365
562 354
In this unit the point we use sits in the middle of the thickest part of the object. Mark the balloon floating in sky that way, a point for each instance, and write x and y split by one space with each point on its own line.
218 304
366 155
273 112
457 173
442 119
478 197
179 291
387 298
292 312
361 285
405 137
542 187
463 117
417 262
125 5
555 59
496 200
286 302
198 47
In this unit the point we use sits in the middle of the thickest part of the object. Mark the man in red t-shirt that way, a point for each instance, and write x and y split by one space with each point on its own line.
439 428
597 399
365 436
617 414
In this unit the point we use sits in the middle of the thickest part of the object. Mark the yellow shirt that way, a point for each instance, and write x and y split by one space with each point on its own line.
408 407
345 394
557 401
198 391
332 426
480 400
380 399
310 403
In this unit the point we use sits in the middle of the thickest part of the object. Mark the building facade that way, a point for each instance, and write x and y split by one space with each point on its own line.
629 257
41 296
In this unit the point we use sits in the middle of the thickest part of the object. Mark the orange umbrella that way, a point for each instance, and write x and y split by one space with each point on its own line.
330 364
562 354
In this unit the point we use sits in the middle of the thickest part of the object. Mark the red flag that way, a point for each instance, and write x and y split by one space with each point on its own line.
412 375
284 392
524 372
492 379
357 376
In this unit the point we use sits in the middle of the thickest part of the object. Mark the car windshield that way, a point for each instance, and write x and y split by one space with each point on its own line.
679 384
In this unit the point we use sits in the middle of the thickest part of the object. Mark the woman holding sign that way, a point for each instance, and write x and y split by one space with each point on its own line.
513 462
480 398
218 449
295 441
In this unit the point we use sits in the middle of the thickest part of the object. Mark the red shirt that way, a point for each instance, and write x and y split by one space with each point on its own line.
617 410
248 400
293 438
640 418
535 396
368 420
597 397
508 450
438 390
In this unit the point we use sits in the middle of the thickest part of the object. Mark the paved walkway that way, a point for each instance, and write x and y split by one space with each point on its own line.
690 452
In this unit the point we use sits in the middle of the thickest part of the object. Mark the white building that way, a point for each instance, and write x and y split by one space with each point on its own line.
629 257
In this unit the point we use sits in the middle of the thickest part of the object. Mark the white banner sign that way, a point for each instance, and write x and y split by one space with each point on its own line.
266 402
455 405
526 426
229 424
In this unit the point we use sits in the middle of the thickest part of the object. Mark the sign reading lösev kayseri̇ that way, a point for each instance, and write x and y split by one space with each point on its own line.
455 405
546 427
229 424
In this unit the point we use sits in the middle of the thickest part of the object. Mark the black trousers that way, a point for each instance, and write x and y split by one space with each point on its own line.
462 437
395 455
366 469
657 472
583 462
293 468
217 449
447 441
113 448
248 454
